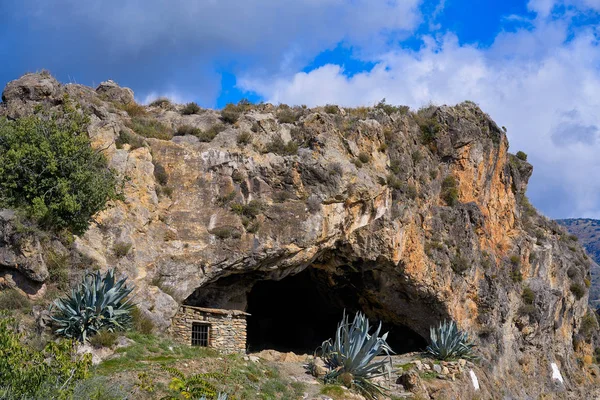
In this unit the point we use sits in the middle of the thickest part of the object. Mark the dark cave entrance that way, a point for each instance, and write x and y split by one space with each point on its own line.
299 312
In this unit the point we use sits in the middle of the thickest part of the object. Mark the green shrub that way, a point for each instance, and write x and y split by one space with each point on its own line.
237 176
188 130
190 108
30 374
287 116
448 342
11 299
577 290
226 198
527 309
211 133
335 168
515 274
278 146
350 355
589 325
394 182
521 156
129 138
160 174
150 128
364 157
194 386
252 209
140 322
244 138
230 114
121 249
49 170
357 163
98 303
225 232
450 190
133 109
515 260
58 268
416 156
160 102
459 264
390 109
331 109
429 126
528 296
103 338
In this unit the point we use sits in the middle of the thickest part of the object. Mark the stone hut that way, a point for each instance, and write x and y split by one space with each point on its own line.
223 330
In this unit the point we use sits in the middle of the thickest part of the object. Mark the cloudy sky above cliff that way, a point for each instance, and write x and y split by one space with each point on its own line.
534 66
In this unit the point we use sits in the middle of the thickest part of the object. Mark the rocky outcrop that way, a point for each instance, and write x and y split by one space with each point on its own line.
421 216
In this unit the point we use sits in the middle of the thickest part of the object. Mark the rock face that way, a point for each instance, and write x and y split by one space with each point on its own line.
416 217
588 232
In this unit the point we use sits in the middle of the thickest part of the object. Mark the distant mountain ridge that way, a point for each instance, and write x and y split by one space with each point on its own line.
588 232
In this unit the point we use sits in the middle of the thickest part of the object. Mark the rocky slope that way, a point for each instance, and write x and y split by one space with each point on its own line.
421 216
588 232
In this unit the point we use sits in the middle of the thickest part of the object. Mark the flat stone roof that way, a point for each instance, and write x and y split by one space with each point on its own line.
218 311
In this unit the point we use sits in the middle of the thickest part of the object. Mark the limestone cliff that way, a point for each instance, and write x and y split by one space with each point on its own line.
422 214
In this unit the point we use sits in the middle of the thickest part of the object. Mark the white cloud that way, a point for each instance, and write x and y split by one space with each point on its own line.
543 88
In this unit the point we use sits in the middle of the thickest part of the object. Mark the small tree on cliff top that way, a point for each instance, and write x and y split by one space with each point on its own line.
49 170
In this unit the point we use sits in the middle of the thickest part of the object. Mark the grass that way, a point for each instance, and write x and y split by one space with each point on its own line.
11 299
121 249
150 128
147 349
134 141
336 392
103 338
190 108
241 379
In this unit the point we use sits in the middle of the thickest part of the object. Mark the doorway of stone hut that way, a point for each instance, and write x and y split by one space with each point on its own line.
297 313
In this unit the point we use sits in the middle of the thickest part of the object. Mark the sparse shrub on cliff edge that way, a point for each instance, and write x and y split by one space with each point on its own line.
521 155
448 342
190 108
49 170
149 127
589 325
350 355
577 290
450 190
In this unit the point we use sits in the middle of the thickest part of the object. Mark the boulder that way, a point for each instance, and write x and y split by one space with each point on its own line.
111 91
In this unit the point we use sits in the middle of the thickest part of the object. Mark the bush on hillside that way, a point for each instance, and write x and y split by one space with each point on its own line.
49 170
26 373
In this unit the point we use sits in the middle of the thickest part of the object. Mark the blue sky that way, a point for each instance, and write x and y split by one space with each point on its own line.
533 65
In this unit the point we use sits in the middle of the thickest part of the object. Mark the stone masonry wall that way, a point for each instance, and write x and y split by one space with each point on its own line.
227 332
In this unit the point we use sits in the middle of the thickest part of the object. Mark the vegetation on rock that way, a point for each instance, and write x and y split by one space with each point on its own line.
448 342
26 373
99 303
49 170
350 355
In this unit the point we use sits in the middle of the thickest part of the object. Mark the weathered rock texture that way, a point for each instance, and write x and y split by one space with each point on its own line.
208 219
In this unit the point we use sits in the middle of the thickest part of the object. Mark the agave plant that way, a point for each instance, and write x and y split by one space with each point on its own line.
350 356
97 303
447 341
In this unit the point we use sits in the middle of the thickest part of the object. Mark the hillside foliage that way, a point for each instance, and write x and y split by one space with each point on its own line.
49 170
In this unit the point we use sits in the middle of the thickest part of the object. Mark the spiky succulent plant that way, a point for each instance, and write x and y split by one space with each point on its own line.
350 356
97 303
447 341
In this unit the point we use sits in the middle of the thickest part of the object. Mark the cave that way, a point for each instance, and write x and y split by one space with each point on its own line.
299 311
